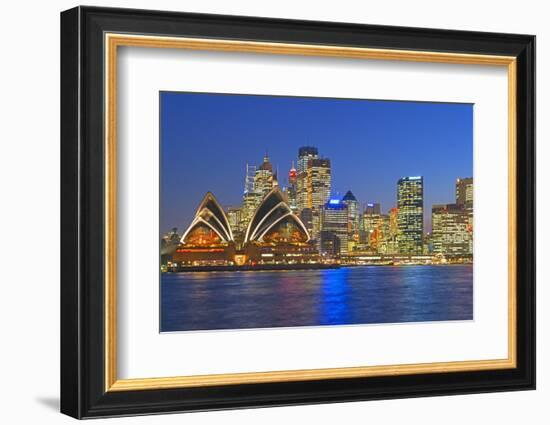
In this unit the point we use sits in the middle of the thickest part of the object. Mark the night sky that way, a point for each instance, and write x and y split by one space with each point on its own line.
206 140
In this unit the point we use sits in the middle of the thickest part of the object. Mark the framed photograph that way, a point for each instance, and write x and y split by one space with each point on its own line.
261 212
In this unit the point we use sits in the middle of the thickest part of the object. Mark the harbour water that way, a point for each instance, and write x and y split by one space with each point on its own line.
345 296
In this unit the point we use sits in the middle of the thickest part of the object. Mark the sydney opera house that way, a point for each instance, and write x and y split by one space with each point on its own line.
274 235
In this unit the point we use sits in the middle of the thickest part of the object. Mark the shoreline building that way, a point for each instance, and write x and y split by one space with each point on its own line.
209 239
375 230
410 215
334 223
465 197
451 231
392 244
464 192
168 245
274 235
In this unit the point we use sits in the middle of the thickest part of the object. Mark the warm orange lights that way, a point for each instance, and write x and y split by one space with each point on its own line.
200 250
240 259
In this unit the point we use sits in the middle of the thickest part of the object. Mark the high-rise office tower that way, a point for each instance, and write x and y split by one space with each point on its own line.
291 188
465 197
263 179
305 154
410 215
313 183
393 229
234 218
334 222
451 230
251 198
465 192
319 182
353 215
375 230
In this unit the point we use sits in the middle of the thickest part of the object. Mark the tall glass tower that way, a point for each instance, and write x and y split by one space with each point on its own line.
353 215
305 154
410 215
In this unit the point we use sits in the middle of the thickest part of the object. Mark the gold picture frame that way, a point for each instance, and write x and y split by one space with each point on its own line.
114 41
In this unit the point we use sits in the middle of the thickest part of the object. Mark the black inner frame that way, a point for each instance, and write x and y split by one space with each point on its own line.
82 212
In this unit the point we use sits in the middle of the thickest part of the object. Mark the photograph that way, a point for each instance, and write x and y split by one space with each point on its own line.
288 211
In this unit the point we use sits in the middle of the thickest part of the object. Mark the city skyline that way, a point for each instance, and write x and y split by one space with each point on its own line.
361 166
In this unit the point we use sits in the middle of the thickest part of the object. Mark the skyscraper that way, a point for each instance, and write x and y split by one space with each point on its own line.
305 153
291 188
392 246
465 191
334 222
313 183
410 215
263 179
353 218
319 182
234 218
251 198
465 197
451 230
258 182
375 234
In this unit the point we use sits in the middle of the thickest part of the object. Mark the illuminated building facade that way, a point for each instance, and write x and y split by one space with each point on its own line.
264 178
375 231
251 198
234 219
319 183
168 245
318 190
313 184
451 231
334 220
465 192
273 235
410 215
391 243
258 183
305 154
350 201
291 189
465 197
209 237
276 235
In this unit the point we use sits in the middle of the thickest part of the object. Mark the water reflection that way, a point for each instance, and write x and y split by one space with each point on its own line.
355 295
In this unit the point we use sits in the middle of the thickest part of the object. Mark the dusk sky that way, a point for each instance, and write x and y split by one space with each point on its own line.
206 140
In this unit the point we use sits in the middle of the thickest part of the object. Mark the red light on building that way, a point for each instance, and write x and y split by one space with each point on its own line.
292 174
